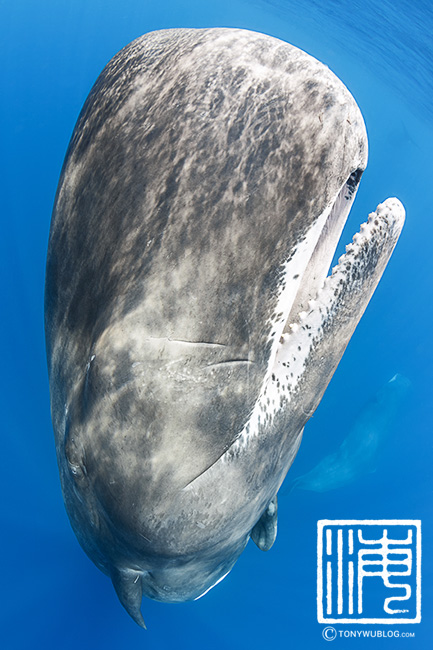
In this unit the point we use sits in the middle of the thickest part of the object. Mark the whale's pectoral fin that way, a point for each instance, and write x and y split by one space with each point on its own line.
129 590
264 532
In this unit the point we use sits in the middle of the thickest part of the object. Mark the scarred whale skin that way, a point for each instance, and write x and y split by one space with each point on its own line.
191 330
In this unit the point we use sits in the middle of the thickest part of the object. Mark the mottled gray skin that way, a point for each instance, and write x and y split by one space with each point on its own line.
189 231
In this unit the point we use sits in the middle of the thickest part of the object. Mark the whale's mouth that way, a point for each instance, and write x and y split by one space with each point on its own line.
323 310
327 308
316 271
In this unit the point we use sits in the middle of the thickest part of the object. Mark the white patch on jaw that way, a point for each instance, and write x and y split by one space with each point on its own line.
294 347
271 394
293 276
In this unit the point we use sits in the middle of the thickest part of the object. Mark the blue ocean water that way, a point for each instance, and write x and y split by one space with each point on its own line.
52 596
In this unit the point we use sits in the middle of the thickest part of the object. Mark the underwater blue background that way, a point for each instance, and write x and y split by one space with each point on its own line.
52 596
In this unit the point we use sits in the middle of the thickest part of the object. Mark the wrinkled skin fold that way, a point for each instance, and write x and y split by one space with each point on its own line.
191 327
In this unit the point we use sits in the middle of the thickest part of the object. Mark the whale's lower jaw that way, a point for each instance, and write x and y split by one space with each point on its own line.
316 339
312 344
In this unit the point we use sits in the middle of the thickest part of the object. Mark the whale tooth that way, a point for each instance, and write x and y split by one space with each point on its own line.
294 327
129 589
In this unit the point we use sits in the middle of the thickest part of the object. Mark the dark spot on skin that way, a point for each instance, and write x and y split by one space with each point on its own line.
329 100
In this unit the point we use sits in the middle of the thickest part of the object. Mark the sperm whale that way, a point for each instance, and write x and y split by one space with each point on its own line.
191 326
